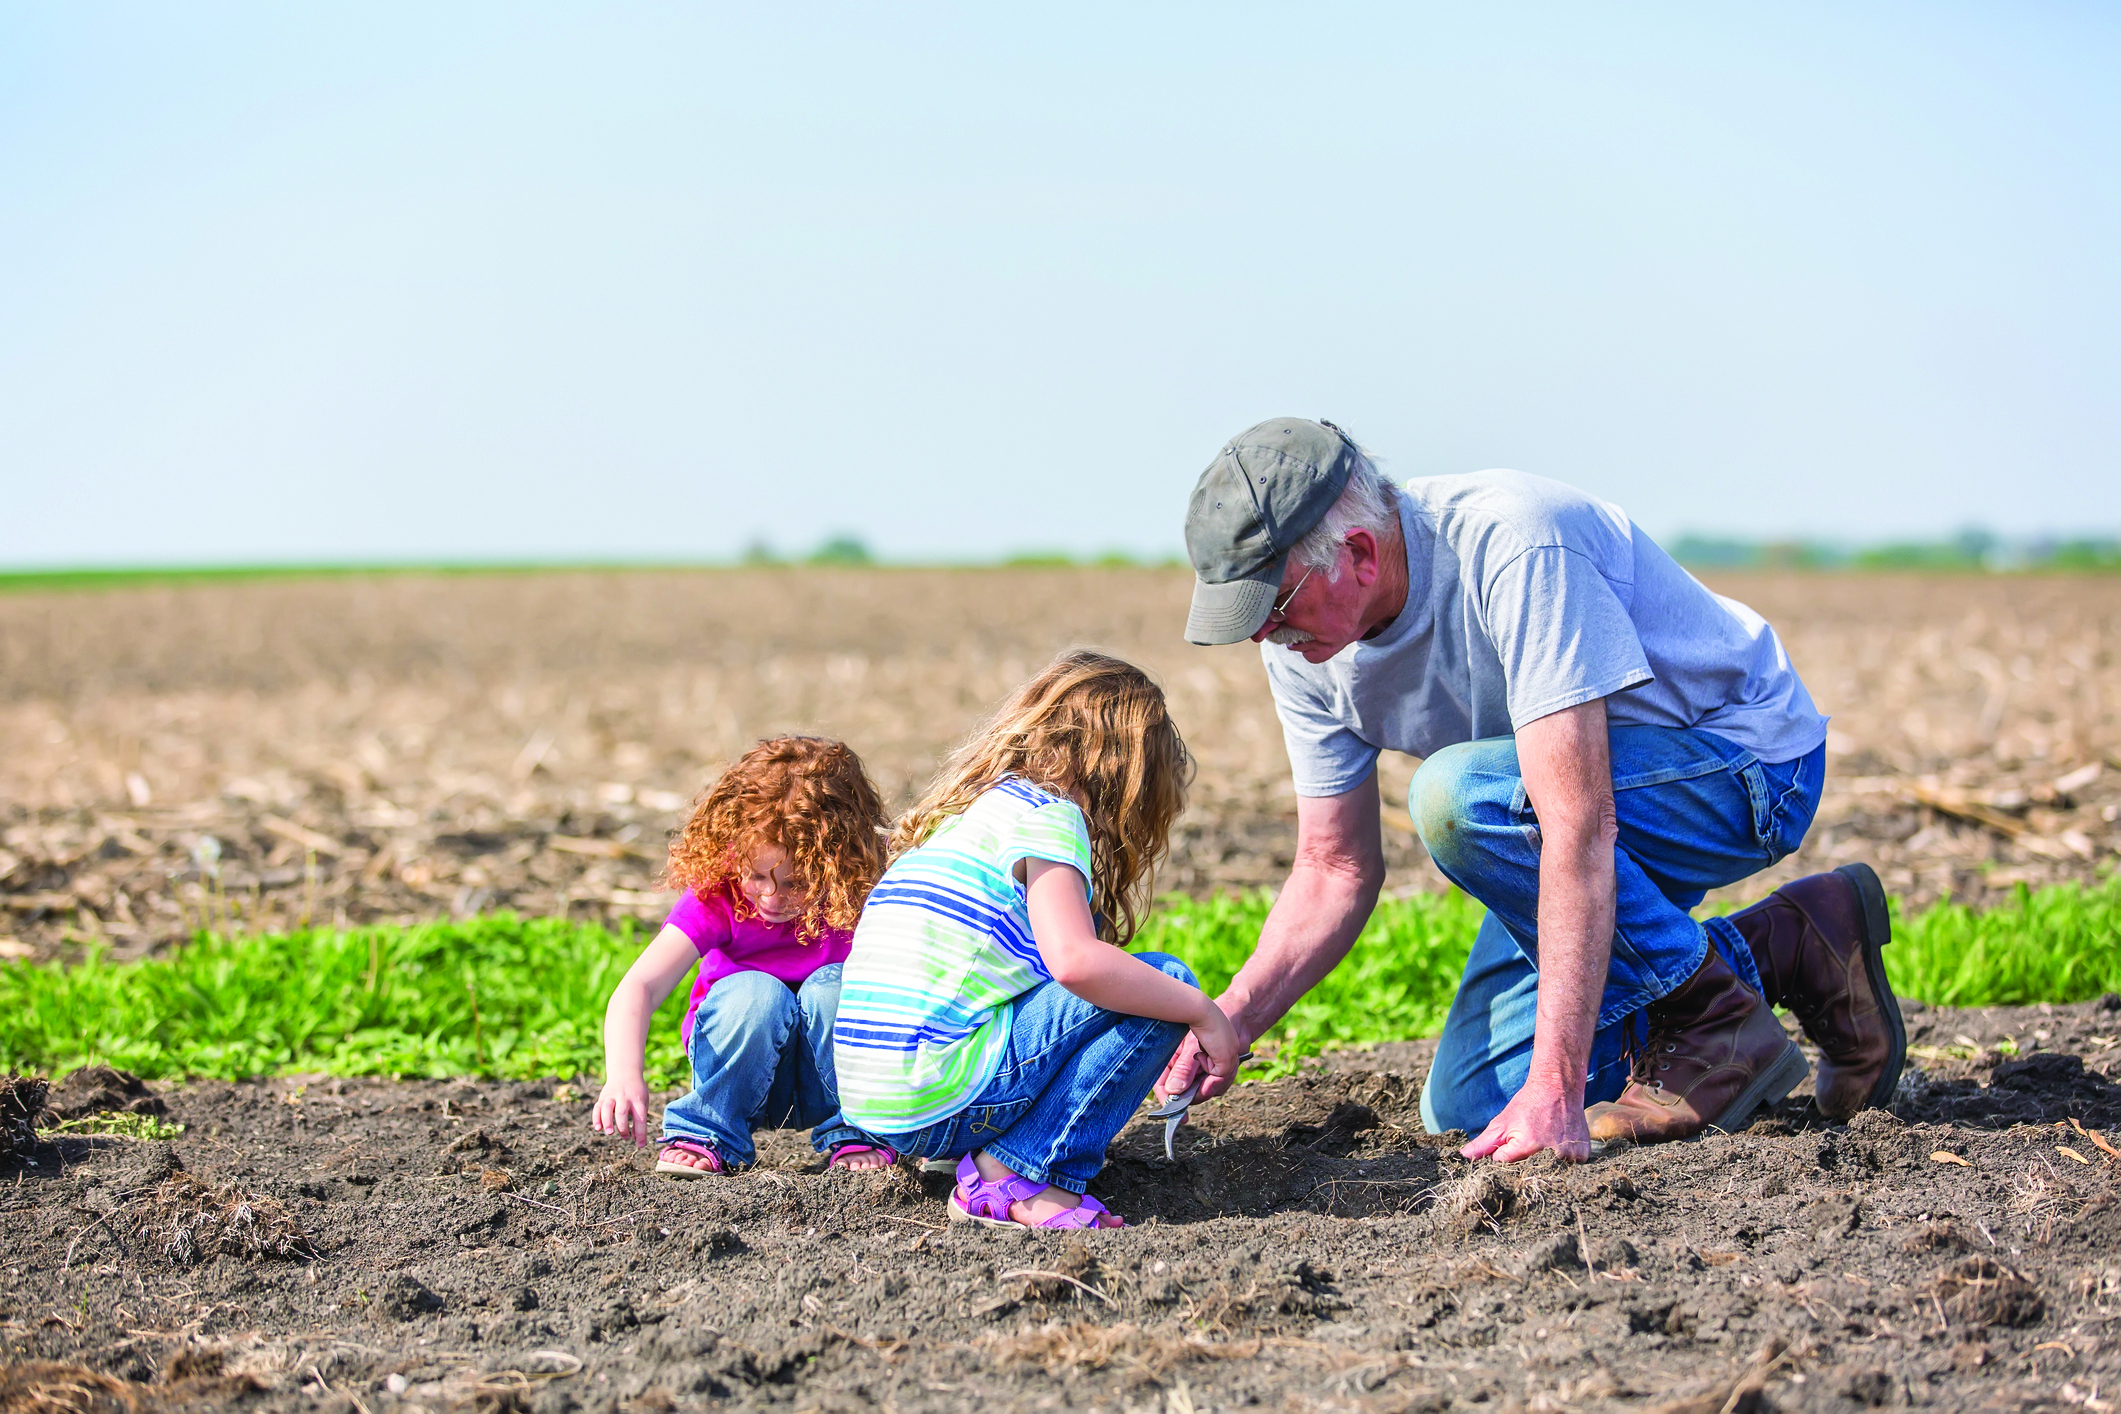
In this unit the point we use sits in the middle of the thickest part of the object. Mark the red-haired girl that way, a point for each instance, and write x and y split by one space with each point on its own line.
775 862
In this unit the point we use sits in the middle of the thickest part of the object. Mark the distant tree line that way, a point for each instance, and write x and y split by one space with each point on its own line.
1968 550
844 549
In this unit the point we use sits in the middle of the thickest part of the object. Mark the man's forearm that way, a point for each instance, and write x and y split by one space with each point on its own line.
1312 925
1576 892
1339 867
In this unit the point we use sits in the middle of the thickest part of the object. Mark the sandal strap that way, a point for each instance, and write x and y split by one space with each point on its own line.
991 1200
852 1148
1082 1215
695 1148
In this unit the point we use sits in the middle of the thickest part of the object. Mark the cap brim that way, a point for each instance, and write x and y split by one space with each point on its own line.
1233 611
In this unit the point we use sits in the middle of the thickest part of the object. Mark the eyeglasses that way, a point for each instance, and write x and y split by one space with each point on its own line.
1281 610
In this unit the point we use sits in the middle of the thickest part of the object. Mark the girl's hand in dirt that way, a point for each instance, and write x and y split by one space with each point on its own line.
622 1109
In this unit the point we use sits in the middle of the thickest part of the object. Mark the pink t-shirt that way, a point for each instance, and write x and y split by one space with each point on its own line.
728 943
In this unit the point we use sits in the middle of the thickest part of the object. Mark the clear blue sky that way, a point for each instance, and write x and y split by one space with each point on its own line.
293 281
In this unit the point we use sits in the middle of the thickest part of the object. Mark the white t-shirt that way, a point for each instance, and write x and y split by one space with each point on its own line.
1525 597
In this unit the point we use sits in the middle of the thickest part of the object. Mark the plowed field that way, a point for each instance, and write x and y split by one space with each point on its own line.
398 747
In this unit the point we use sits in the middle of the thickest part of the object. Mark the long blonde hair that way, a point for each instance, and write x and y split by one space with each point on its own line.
1092 727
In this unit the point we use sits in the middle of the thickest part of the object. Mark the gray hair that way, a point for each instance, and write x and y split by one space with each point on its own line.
1369 502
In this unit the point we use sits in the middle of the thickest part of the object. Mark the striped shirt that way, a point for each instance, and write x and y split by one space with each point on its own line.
941 954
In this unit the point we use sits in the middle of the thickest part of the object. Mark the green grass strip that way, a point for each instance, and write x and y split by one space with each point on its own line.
2057 944
495 996
517 998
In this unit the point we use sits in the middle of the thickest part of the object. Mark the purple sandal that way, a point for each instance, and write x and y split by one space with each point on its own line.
978 1201
843 1152
688 1146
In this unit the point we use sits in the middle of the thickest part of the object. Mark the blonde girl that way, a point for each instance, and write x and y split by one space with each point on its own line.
775 863
987 1012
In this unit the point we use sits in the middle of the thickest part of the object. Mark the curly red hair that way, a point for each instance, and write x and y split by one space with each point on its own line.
806 795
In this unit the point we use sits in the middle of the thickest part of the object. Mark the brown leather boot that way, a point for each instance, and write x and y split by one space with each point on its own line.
1715 1054
1817 943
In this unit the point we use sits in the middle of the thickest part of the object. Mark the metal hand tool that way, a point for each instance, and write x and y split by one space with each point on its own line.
1173 1111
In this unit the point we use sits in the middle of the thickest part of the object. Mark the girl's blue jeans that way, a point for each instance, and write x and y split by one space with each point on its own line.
1071 1078
761 1059
1696 811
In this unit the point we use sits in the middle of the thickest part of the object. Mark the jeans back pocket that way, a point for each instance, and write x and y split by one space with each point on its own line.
1786 800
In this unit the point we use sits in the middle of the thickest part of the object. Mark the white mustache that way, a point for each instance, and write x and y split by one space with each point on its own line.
1289 637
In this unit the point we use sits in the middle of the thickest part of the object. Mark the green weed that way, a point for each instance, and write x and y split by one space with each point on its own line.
116 1124
524 998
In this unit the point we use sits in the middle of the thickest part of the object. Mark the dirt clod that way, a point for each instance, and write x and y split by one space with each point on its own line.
100 1089
1558 1252
716 1242
22 1100
1482 1200
1074 1273
1981 1291
1143 1355
183 1221
1935 1237
61 1387
401 1296
50 1387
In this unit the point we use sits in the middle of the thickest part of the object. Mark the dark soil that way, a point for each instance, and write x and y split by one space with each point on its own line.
369 1245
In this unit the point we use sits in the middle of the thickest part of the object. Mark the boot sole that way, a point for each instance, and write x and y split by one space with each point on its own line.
1770 1087
1877 932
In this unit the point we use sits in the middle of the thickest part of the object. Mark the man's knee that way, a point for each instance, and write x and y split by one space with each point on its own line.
1452 792
1458 1096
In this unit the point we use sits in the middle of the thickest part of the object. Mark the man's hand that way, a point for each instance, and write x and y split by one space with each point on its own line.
1541 1116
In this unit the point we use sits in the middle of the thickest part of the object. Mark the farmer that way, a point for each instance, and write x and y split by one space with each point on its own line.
1603 740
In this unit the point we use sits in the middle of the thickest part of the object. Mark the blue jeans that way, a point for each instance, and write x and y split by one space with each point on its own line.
761 1059
1071 1078
1696 811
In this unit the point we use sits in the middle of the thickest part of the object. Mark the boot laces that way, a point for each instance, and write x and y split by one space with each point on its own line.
1646 1057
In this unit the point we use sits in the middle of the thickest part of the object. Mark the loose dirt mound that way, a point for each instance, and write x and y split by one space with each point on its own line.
182 1221
22 1099
476 1246
98 1089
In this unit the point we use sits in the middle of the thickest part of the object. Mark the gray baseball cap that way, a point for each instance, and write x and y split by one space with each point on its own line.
1264 491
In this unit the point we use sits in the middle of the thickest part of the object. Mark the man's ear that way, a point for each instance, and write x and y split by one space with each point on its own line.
1363 558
